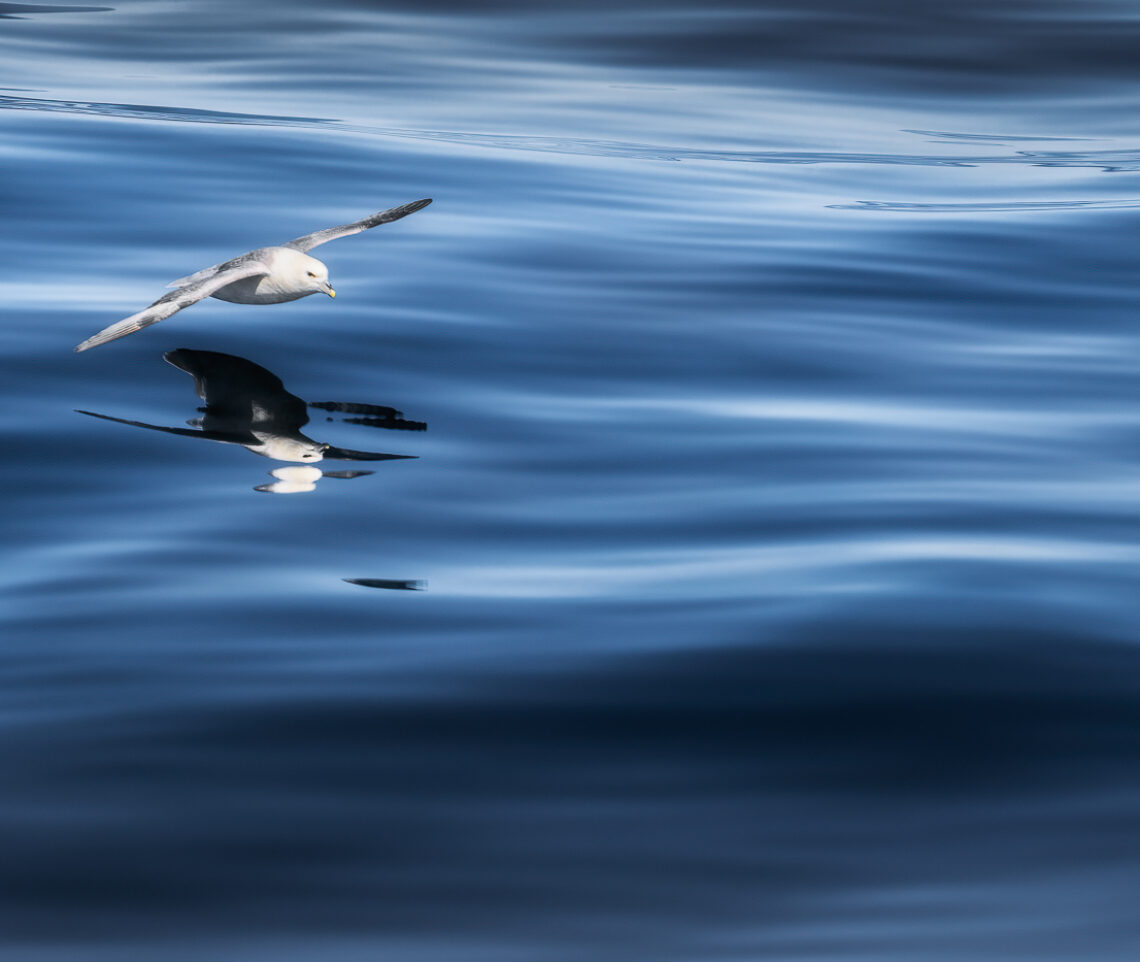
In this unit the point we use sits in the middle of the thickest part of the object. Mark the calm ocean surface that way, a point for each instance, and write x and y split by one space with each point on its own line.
763 580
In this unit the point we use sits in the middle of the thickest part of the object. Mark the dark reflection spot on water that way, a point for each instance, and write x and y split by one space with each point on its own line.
395 584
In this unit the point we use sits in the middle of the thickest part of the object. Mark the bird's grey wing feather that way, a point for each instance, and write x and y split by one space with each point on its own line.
196 276
176 300
309 241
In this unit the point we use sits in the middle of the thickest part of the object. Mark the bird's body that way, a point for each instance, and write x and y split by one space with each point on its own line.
268 275
291 275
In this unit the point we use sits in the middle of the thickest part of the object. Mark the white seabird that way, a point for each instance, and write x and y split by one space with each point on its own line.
268 275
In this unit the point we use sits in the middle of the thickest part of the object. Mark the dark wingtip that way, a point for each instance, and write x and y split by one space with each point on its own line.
391 214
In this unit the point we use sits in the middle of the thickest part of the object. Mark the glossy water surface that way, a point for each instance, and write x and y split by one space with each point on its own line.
759 580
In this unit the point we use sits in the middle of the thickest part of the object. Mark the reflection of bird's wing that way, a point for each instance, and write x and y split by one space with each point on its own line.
229 437
378 416
347 454
233 387
184 296
309 241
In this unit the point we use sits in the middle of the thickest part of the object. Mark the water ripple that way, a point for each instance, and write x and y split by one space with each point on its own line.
957 137
17 11
1106 160
185 115
990 207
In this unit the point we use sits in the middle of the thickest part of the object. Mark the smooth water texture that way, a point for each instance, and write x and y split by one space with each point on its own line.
758 575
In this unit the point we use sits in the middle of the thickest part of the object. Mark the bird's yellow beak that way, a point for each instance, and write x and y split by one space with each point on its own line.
331 292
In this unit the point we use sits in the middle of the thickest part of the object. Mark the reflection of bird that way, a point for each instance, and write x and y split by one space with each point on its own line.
248 405
268 275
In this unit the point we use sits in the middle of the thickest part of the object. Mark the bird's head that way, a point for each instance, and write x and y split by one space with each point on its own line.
316 276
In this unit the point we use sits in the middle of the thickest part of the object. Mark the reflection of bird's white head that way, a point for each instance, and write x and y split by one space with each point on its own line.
290 449
292 480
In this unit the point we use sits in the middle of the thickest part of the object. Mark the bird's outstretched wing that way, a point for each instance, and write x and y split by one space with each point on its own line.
309 241
176 300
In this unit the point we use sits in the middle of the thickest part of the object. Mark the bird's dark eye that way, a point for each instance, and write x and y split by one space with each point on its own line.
311 274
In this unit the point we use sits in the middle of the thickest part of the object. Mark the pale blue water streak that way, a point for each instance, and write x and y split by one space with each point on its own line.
775 524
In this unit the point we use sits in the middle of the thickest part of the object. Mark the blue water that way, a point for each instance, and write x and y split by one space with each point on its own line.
760 580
